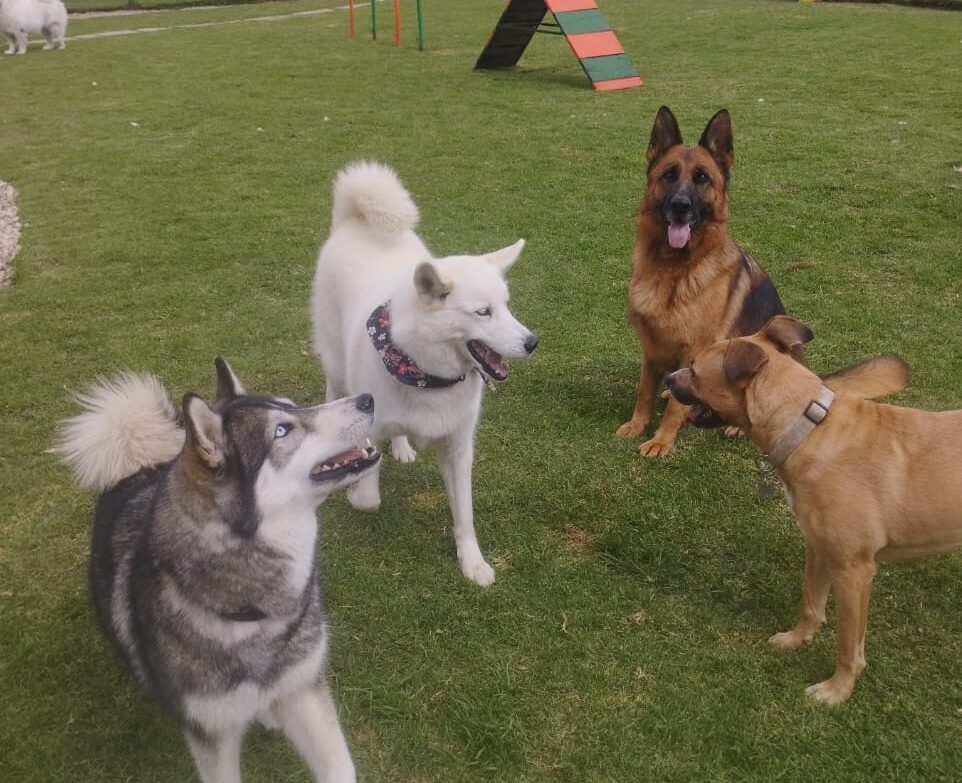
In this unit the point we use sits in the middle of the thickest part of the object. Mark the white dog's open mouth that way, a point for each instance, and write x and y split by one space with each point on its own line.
347 462
490 360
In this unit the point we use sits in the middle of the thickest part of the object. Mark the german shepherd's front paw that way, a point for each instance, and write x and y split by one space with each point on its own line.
656 447
733 432
631 429
789 640
834 690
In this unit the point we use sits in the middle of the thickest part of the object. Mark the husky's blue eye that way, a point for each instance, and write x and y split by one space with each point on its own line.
282 430
484 312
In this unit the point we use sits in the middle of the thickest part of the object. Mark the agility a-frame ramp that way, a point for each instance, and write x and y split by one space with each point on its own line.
581 23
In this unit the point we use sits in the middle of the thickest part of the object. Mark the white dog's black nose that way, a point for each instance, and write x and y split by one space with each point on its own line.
531 343
364 403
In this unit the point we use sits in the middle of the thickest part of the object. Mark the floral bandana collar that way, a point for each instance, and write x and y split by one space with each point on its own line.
398 363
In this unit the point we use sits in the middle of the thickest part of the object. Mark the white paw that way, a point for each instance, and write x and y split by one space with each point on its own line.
477 570
402 451
364 497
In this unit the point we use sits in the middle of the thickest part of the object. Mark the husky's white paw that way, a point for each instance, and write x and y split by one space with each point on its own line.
364 496
401 449
477 570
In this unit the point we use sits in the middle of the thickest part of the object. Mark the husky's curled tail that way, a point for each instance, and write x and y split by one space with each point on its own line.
372 194
127 424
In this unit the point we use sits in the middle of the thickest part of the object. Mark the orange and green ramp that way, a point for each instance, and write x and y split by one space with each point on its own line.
581 23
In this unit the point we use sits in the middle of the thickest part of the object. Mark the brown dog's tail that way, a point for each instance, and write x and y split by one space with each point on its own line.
873 378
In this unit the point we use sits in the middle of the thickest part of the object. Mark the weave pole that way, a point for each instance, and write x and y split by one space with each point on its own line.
397 21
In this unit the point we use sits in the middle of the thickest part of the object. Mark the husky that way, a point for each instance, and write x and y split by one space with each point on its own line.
203 569
18 18
423 334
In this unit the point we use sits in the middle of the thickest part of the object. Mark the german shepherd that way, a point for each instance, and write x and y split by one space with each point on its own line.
691 284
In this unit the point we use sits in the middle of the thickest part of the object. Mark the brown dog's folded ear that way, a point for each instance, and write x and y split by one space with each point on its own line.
665 134
428 282
786 333
205 432
743 360
717 139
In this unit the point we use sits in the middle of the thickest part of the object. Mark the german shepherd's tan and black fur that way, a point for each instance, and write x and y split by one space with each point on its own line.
691 284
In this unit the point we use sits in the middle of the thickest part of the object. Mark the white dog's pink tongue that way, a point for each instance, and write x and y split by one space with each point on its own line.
678 234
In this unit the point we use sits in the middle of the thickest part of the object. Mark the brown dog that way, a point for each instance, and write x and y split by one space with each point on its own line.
867 482
690 283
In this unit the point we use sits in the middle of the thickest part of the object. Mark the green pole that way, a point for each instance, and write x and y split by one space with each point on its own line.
373 20
420 28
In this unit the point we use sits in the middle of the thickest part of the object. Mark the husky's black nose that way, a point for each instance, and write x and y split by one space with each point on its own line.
364 403
531 343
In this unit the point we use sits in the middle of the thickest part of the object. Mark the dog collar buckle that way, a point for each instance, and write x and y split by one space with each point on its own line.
817 411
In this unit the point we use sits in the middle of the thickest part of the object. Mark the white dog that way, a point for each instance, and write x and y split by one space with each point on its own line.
18 18
422 335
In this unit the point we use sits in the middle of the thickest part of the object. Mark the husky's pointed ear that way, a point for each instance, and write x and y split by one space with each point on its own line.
786 333
743 360
717 139
665 134
504 258
228 385
428 283
205 432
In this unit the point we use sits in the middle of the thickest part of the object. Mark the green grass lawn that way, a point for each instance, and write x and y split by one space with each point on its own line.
174 187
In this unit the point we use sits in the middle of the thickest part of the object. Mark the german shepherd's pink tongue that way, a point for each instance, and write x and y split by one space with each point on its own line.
678 234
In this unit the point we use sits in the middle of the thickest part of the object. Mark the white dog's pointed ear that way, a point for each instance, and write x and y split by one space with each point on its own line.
228 384
428 283
504 258
205 432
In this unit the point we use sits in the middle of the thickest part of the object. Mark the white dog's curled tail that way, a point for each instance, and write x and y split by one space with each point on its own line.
372 193
127 424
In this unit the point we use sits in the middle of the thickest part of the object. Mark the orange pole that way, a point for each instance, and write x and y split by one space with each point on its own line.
350 17
397 21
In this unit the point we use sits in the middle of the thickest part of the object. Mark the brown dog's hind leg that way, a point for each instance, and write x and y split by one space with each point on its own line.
644 400
663 441
853 588
815 591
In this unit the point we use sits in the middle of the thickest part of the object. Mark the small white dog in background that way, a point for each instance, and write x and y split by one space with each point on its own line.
19 18
423 335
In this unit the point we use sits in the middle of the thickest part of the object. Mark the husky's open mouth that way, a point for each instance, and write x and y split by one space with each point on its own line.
350 461
490 360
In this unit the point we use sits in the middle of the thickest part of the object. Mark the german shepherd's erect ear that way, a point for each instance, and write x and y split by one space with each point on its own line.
665 134
788 334
228 385
717 139
205 432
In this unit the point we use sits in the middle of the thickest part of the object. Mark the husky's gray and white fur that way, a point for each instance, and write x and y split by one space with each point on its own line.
203 567
449 316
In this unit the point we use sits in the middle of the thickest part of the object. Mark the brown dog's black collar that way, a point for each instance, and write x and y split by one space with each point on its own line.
814 414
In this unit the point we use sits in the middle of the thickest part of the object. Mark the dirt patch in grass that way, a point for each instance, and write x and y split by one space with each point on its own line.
9 232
